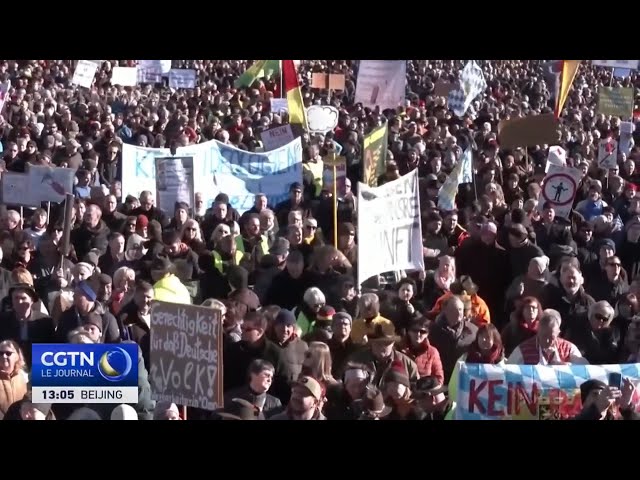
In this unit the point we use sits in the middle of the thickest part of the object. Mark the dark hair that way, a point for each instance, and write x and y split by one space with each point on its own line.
407 281
258 366
271 312
491 329
142 286
258 318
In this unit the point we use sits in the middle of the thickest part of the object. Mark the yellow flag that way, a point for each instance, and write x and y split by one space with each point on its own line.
569 70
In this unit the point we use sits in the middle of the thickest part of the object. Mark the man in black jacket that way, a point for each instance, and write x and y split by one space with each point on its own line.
84 303
254 345
255 391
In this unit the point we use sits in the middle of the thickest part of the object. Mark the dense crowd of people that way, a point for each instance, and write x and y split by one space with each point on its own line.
506 279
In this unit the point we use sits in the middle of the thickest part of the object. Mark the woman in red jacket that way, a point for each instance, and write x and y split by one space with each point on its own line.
417 347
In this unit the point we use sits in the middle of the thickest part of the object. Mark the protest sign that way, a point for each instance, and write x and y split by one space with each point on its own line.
84 73
279 105
630 64
381 83
557 156
322 118
328 81
374 159
616 101
4 89
182 78
341 175
389 227
529 392
49 184
461 173
559 188
607 153
626 137
276 137
528 131
220 168
174 182
124 76
186 355
160 66
15 189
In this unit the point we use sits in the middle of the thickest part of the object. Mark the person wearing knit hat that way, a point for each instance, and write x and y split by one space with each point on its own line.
142 223
321 330
124 412
397 394
166 411
93 326
82 271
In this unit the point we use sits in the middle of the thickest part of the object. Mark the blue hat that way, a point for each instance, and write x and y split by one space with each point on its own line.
84 288
607 242
285 317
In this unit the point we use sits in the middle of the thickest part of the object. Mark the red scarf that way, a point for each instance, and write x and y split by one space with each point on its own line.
475 355
529 327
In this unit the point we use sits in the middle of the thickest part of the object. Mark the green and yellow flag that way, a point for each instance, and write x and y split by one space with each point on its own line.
260 69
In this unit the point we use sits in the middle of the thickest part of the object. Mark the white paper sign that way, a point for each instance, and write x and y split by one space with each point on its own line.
322 118
279 105
626 137
381 83
559 188
389 227
277 137
182 78
631 64
557 156
84 73
125 76
607 153
162 66
48 184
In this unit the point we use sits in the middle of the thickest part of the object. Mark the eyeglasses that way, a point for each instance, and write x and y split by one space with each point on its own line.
601 318
6 354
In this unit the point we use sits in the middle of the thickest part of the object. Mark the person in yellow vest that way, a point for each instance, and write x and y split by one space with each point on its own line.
312 301
168 287
369 319
252 243
312 171
226 253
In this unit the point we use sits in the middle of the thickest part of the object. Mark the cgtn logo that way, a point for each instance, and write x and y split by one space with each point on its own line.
85 373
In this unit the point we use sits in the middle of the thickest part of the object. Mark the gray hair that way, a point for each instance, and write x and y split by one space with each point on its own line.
550 318
314 296
603 307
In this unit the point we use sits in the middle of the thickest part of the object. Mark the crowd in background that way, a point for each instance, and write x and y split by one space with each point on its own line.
506 280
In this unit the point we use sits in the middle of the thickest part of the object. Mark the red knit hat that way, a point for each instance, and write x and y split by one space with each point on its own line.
397 373
326 314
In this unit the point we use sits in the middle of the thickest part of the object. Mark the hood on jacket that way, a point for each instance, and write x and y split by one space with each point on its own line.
171 289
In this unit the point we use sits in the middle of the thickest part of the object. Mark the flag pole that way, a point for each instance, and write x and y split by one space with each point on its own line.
335 205
282 95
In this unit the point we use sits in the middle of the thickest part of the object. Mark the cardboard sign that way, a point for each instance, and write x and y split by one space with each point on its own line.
332 81
528 131
443 88
615 101
186 355
277 137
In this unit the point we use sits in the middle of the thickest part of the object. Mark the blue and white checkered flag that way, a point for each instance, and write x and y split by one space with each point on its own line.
472 84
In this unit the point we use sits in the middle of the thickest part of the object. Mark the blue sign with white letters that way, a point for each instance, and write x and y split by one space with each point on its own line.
84 365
